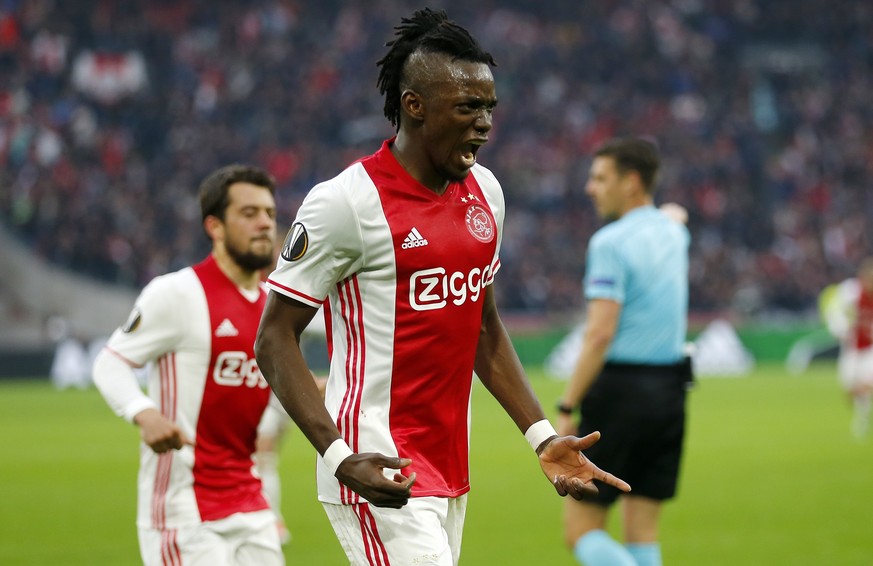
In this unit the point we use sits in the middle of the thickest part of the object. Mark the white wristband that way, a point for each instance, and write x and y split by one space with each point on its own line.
335 454
539 432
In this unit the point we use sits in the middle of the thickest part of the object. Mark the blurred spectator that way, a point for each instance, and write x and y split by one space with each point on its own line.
110 110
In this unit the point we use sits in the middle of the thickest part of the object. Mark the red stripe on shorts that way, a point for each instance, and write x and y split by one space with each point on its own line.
377 555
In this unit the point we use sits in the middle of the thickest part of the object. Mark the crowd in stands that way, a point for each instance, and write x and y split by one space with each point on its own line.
111 111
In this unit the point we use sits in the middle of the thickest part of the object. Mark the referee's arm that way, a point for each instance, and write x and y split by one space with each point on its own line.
601 322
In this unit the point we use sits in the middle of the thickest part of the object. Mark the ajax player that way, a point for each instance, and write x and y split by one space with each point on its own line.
847 309
198 500
402 248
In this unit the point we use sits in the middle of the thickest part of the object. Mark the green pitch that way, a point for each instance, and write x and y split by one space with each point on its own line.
771 476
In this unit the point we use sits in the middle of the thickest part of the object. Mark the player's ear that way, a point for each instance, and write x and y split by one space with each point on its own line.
412 105
633 182
214 227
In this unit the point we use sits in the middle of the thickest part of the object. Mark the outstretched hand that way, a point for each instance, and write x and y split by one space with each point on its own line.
570 471
363 474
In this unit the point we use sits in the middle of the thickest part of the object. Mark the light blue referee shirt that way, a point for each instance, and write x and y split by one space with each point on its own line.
641 262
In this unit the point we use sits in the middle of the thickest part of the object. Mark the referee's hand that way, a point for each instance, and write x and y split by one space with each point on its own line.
570 472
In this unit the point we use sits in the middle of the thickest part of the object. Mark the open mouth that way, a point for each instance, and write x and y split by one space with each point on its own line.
468 152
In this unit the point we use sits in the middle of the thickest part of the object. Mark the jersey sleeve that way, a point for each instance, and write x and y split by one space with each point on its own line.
836 305
494 195
323 246
153 327
604 273
117 383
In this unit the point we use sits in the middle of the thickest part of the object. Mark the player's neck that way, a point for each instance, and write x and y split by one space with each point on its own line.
635 203
242 277
414 163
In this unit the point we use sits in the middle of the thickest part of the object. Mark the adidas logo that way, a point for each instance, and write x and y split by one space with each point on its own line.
413 240
226 328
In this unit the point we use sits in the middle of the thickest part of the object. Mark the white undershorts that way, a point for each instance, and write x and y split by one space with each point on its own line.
241 539
426 531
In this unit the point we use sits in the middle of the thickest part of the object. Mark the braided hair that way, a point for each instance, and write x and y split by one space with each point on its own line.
427 31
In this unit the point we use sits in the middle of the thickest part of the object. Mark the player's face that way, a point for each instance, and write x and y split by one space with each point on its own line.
458 109
250 226
607 187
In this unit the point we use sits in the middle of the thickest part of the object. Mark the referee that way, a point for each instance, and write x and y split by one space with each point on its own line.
631 376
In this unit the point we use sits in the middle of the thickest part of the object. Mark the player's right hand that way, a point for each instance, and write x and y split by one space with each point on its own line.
363 474
159 433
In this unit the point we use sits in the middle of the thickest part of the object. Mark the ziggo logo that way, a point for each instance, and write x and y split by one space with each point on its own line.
431 289
235 369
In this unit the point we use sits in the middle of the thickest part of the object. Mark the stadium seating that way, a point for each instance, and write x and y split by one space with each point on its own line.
110 113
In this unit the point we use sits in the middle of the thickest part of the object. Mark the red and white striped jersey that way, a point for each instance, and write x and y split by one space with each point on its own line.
198 330
404 272
848 312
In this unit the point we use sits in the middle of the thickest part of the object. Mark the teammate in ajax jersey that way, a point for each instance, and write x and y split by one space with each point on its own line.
198 499
847 310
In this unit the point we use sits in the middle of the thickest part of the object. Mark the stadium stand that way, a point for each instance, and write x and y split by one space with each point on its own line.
110 110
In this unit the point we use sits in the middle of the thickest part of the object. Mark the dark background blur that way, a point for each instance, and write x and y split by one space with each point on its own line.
111 112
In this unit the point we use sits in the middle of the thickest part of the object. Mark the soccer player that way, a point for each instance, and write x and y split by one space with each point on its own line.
847 309
631 375
198 500
403 247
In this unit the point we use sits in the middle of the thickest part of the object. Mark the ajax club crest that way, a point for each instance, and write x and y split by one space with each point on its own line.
479 223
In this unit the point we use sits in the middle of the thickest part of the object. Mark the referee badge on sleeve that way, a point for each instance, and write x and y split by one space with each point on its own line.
296 243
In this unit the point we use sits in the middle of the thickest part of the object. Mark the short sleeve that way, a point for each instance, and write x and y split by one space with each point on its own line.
604 272
494 195
323 246
153 327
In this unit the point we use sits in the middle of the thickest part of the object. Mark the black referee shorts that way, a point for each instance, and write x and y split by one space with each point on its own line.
640 412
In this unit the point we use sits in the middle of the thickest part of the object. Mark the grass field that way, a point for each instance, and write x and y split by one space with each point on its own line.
771 476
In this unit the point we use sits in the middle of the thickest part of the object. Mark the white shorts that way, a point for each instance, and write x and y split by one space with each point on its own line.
241 539
855 368
425 531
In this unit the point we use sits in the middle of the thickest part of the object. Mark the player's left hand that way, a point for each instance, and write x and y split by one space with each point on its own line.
570 471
